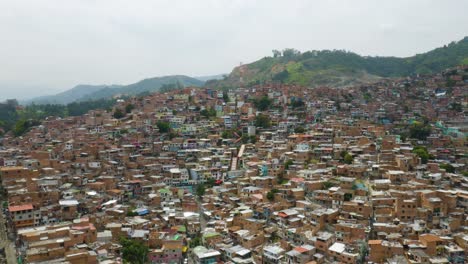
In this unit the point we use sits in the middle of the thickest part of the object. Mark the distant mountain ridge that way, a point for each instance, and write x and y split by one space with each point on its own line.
210 77
335 68
341 68
71 95
95 92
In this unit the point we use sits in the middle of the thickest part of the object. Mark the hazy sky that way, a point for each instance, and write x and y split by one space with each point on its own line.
51 46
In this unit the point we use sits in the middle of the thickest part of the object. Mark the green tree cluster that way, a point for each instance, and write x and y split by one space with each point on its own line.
262 121
271 194
163 126
299 130
134 251
225 97
455 106
118 113
422 153
129 108
195 242
15 118
23 125
348 158
227 134
447 167
327 185
208 112
297 103
420 131
201 189
263 103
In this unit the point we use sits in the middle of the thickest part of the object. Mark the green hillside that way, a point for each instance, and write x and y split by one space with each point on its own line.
340 68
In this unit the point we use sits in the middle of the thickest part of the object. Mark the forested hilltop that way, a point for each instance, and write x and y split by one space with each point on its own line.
341 68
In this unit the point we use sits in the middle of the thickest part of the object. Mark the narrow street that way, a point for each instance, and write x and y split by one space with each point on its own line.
5 243
10 251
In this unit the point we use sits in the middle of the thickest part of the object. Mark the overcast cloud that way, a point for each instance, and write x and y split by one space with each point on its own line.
51 46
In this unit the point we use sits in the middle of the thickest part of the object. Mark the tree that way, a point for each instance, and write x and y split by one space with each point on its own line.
227 134
200 190
210 182
281 76
420 131
343 154
118 113
129 108
263 103
271 194
456 107
134 251
291 53
280 178
173 134
253 139
225 97
208 112
287 164
450 82
194 242
447 167
163 126
20 127
422 153
262 121
367 96
276 53
348 158
347 197
299 130
23 125
327 185
297 103
403 137
131 213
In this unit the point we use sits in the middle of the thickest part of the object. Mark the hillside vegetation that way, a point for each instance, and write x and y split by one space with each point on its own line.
19 119
341 68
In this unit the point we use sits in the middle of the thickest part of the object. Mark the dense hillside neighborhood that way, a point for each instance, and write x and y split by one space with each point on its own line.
261 173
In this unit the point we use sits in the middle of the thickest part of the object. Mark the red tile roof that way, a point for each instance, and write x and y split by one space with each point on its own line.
23 207
281 214
301 249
